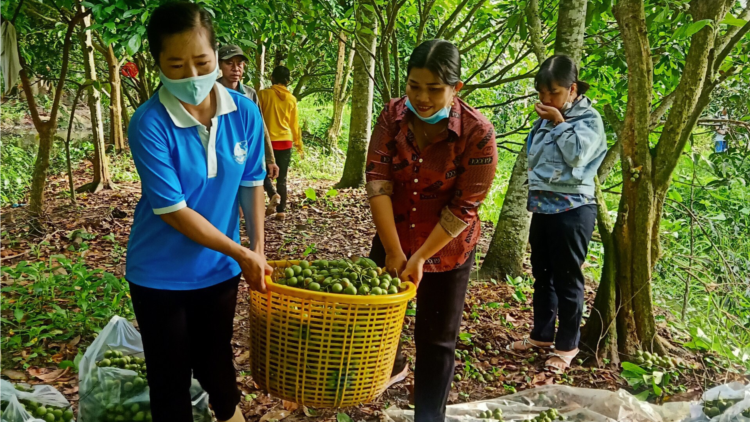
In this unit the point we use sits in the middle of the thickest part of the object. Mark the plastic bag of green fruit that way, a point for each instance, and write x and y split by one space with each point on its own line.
22 403
113 379
341 276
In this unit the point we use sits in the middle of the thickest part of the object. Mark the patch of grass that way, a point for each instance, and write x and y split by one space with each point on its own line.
53 302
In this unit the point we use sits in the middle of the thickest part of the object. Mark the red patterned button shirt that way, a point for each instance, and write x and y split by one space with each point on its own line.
444 184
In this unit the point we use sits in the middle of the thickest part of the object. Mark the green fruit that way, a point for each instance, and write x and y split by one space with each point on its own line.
364 290
377 291
304 264
372 274
396 281
135 408
57 413
289 272
327 281
457 377
120 418
106 362
336 288
307 281
120 409
385 284
315 287
297 269
291 282
128 387
639 360
67 415
41 411
351 290
307 273
392 290
139 382
345 282
319 279
375 282
108 354
386 276
140 416
712 412
49 417
281 282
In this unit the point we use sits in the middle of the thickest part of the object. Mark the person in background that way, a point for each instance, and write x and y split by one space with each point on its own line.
280 114
232 62
198 149
430 164
720 139
565 147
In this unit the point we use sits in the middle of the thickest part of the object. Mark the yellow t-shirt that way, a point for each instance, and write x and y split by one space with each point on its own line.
280 114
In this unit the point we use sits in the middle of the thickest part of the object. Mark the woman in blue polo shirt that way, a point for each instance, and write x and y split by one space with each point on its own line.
198 149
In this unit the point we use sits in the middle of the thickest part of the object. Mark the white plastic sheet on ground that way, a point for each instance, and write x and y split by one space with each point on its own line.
731 391
42 394
96 394
577 404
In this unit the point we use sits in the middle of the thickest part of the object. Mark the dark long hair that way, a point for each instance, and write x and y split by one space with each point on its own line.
280 75
440 57
562 70
174 18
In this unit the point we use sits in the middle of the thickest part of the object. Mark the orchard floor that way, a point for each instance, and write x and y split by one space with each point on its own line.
495 313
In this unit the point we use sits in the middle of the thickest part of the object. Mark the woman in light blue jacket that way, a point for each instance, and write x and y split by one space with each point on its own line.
565 147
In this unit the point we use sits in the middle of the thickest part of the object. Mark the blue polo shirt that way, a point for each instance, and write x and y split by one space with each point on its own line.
182 164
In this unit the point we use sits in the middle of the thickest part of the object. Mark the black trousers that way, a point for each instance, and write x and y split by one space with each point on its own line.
283 159
559 244
188 333
440 305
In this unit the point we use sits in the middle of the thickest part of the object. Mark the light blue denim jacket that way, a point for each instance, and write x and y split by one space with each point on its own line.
566 157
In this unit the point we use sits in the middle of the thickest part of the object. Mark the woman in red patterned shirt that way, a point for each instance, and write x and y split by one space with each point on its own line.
431 162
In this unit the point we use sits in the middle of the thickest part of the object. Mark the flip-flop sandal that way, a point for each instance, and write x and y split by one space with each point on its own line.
525 342
568 360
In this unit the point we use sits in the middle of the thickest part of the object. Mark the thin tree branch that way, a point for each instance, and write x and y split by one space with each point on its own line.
657 114
451 18
512 100
450 34
15 14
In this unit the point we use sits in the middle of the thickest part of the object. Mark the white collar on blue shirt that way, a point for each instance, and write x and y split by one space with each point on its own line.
182 119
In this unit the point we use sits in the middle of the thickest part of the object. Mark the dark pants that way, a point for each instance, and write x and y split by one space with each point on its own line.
559 244
188 333
283 158
440 305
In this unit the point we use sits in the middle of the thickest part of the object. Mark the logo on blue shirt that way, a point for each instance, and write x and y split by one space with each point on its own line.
240 152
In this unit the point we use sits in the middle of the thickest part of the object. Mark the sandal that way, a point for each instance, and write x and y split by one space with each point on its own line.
527 344
567 360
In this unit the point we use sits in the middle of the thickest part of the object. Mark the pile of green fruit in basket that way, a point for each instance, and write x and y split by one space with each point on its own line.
40 411
714 408
496 414
343 276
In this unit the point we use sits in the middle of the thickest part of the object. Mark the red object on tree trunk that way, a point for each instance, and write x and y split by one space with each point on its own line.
129 69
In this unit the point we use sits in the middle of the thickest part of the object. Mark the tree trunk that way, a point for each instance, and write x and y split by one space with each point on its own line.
508 246
334 131
599 335
41 165
571 26
116 135
362 93
101 166
46 129
124 109
260 65
534 25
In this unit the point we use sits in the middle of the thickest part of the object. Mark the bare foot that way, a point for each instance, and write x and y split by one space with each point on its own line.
561 360
527 344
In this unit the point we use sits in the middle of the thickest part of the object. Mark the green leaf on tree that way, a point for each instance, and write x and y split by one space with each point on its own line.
732 21
134 44
696 26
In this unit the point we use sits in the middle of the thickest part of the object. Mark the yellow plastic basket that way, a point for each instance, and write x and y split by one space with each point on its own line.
322 349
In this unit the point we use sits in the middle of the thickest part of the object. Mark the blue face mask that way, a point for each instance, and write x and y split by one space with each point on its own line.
191 90
443 113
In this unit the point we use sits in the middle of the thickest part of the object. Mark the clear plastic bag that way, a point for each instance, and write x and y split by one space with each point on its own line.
33 403
109 392
576 404
735 392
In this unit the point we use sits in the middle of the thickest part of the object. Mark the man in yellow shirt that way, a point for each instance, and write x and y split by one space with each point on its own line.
280 114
